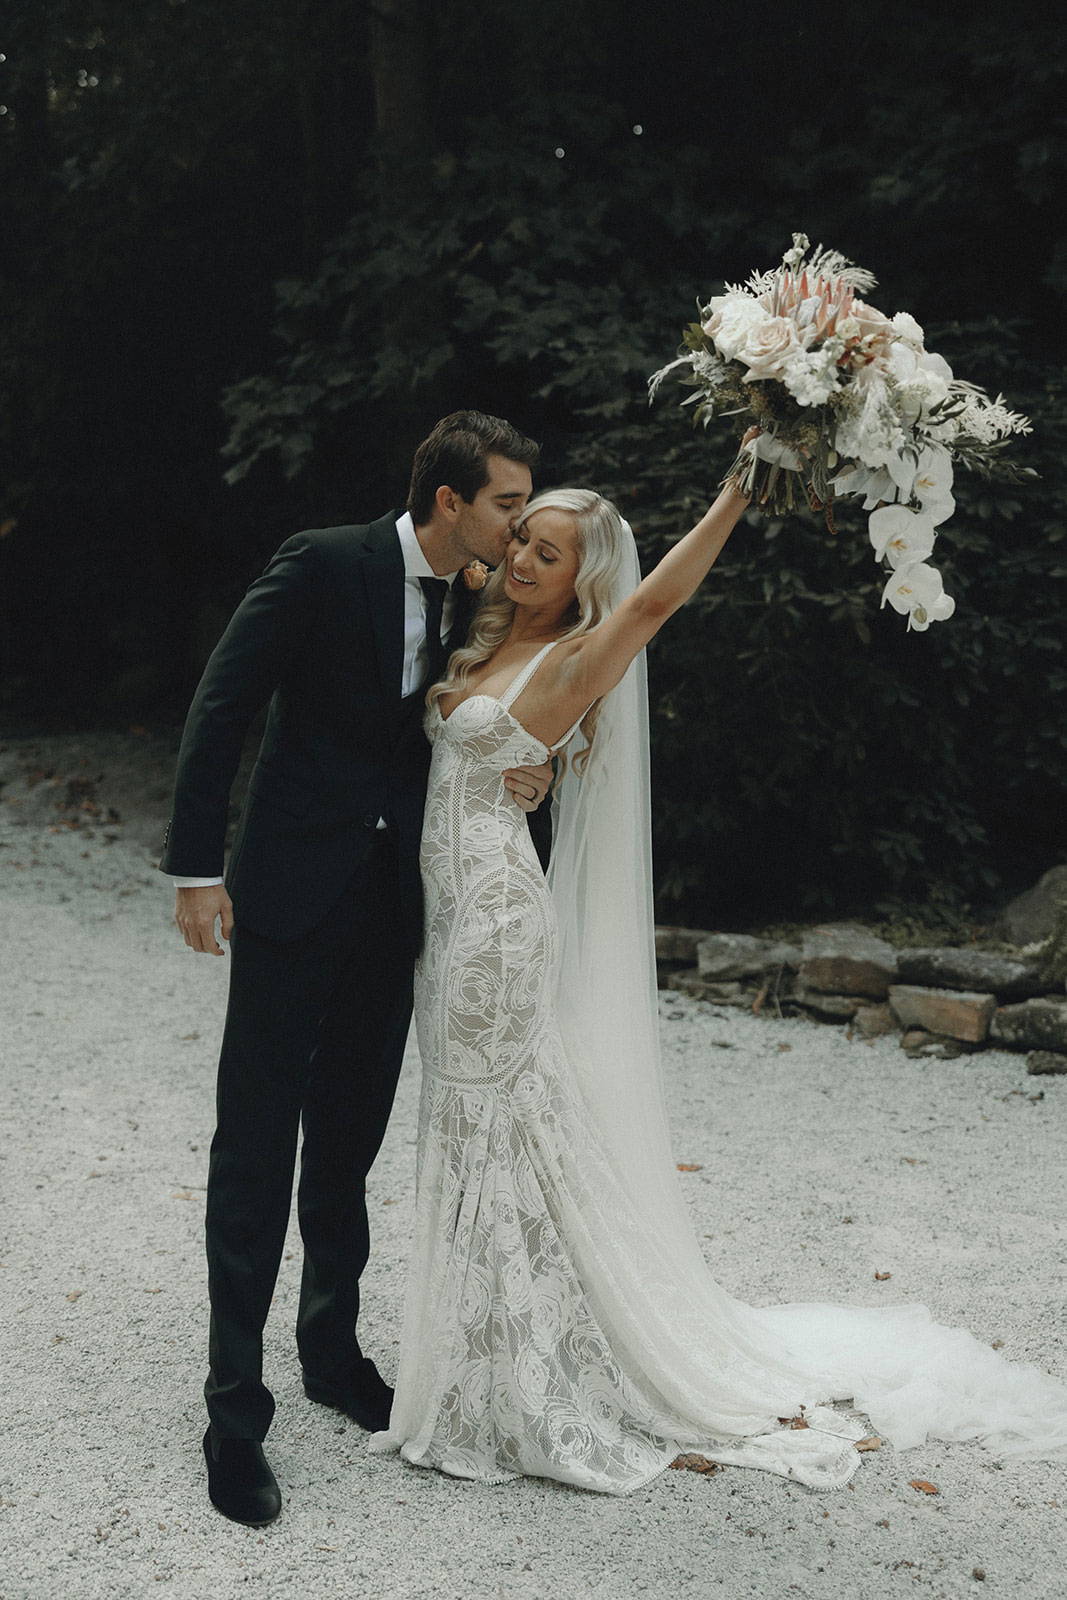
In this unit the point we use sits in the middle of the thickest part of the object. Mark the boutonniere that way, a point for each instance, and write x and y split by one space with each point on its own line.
476 575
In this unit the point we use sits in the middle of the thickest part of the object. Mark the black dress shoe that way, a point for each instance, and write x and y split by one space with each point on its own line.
365 1397
240 1483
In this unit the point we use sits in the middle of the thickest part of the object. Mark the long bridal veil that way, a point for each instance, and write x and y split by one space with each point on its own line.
730 1372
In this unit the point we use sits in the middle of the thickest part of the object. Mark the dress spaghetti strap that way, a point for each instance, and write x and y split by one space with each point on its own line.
518 684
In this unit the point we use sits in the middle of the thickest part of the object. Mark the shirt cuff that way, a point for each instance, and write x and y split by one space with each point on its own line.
194 883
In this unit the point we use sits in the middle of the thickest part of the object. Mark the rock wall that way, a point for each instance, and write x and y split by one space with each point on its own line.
943 1001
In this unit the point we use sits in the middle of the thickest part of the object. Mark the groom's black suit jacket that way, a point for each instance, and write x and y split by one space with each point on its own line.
321 635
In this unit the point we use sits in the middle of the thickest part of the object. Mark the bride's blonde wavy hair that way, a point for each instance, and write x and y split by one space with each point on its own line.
600 550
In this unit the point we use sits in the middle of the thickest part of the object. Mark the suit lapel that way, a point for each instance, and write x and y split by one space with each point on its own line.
383 576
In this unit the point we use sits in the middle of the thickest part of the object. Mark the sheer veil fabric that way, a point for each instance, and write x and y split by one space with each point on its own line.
560 1319
676 1328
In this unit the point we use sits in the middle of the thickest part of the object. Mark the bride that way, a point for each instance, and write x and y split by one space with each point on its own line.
560 1319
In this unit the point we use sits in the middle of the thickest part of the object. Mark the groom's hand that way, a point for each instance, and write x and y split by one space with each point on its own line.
528 785
195 911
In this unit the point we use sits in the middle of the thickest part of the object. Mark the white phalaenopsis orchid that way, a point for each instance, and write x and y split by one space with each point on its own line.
933 483
872 482
900 536
916 591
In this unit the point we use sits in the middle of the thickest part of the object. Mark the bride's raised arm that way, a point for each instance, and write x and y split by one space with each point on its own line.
596 661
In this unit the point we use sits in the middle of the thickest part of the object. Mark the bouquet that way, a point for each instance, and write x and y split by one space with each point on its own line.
849 402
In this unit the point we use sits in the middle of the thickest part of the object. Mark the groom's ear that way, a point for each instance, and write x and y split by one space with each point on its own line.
448 501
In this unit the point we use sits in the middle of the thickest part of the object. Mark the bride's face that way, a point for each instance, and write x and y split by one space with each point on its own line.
542 561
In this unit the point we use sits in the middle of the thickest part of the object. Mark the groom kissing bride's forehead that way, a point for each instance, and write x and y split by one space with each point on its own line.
321 903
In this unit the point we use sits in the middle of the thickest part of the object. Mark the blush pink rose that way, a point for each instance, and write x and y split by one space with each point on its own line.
768 347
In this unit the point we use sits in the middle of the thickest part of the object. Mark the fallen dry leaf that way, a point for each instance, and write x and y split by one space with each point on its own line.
694 1463
75 1294
921 1483
998 1344
872 1442
880 1277
794 1422
690 1166
182 1194
782 1048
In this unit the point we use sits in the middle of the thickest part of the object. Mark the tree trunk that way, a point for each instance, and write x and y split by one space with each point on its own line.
401 34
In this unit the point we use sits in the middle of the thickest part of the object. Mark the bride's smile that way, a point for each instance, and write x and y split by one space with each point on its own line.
542 561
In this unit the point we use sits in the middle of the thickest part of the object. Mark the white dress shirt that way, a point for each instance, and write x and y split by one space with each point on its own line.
416 566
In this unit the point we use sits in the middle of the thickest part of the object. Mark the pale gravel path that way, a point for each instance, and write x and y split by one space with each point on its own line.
109 1034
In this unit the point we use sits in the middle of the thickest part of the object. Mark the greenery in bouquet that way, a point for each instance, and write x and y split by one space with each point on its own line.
849 402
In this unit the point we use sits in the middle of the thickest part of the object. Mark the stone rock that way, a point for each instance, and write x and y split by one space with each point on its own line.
1008 977
918 1042
725 956
1046 1061
871 1022
950 1012
843 958
828 1007
1032 1025
678 944
693 983
1031 916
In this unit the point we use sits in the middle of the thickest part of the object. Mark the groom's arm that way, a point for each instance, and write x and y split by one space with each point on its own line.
246 666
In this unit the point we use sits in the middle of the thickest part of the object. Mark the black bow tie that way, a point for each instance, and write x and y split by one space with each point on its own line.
435 590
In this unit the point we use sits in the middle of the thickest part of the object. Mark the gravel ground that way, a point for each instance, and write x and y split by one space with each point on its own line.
822 1161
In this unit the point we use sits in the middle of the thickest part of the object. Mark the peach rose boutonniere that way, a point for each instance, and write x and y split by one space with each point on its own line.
476 575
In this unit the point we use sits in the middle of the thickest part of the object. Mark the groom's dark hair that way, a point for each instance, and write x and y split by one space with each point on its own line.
455 454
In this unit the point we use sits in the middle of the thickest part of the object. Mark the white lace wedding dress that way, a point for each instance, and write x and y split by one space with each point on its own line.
555 1327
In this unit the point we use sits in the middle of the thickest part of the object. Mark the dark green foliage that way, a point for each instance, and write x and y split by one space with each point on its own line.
222 213
809 753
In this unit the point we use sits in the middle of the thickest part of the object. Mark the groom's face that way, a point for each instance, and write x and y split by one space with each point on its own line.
484 524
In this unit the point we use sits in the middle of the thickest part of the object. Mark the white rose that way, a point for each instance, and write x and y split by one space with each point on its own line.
732 318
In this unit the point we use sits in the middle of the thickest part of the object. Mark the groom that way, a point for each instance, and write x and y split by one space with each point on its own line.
322 906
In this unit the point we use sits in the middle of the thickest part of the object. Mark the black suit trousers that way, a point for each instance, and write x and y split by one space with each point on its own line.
314 1038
